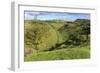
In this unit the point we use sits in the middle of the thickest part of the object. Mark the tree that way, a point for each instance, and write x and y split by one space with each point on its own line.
84 25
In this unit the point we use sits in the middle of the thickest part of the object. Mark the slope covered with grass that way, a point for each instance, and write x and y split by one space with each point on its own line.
56 40
61 54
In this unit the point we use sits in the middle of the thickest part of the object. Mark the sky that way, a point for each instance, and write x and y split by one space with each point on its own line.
30 15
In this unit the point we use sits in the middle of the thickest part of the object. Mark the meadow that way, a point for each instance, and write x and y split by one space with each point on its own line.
62 54
56 40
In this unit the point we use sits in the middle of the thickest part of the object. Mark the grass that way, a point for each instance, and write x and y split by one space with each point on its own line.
62 54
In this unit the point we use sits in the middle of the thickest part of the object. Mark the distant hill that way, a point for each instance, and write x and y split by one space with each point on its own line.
82 20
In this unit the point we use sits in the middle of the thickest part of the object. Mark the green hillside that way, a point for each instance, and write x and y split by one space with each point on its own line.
56 39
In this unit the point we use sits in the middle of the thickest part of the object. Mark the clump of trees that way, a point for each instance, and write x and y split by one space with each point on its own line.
77 32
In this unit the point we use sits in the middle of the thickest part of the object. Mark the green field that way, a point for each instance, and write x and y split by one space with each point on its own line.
63 54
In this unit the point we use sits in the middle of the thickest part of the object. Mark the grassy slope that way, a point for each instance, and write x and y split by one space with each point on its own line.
62 54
